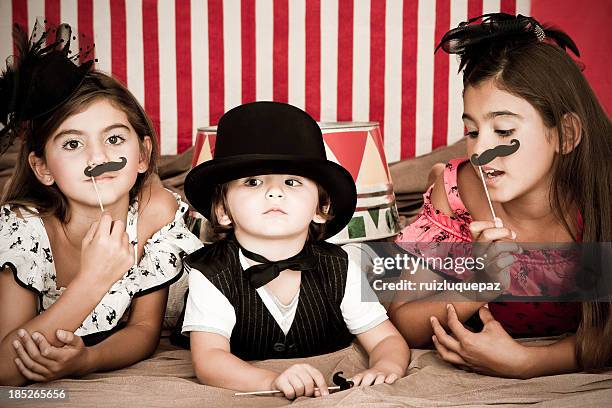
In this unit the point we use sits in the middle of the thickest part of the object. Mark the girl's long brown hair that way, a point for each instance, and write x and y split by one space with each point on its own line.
545 76
25 190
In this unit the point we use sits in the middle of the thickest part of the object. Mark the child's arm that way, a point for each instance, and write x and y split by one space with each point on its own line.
480 352
366 318
556 358
40 361
81 297
18 309
210 319
213 362
135 342
17 305
412 319
215 365
389 355
140 337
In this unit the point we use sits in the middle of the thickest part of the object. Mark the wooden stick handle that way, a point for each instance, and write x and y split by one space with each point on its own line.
496 220
335 387
93 180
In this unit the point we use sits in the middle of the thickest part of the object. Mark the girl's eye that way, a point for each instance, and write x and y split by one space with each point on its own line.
504 133
115 139
472 134
71 144
293 182
252 182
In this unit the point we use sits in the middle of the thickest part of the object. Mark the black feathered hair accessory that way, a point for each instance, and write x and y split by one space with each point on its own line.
40 77
499 30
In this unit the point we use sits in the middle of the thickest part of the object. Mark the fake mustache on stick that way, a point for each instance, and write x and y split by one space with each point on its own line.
498 151
488 156
98 170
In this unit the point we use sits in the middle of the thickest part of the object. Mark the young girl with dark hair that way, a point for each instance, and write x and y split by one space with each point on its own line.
520 88
80 290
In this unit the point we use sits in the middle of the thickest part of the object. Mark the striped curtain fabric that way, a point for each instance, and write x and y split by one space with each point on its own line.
188 61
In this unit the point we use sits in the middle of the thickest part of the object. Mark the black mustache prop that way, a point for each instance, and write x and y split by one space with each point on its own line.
342 382
100 169
498 151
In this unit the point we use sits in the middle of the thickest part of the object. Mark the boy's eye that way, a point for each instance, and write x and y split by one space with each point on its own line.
252 182
115 139
71 144
504 133
472 134
292 182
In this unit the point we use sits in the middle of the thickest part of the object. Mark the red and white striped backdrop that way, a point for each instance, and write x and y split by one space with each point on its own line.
340 60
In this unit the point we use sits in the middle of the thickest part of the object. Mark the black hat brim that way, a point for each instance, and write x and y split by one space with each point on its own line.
336 180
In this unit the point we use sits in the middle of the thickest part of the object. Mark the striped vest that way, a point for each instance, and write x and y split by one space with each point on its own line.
318 327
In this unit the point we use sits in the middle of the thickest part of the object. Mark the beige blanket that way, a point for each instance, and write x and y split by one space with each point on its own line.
167 380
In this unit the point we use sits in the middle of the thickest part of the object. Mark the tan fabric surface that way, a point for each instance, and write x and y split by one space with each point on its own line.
167 380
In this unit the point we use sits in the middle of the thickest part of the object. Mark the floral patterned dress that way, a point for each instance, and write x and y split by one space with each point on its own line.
25 249
534 274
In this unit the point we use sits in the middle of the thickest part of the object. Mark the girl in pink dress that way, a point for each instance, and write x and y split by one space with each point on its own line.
518 84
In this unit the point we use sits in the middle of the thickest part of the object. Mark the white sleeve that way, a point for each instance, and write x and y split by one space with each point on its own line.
207 309
360 307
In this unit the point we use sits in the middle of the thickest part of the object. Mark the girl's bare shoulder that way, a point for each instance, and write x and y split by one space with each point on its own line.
469 188
439 200
157 208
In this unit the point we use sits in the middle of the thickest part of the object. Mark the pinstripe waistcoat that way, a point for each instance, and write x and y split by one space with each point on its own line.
318 327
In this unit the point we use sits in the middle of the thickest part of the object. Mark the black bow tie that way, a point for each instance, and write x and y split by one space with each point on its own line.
267 270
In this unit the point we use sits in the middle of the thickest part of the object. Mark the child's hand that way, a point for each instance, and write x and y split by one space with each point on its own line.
39 361
495 246
106 252
492 351
300 380
374 376
488 231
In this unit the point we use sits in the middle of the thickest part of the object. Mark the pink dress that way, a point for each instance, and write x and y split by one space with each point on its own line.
536 273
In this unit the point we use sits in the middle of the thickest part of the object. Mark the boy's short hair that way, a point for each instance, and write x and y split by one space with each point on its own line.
316 231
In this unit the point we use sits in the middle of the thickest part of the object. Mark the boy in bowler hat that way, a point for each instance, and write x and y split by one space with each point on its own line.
271 287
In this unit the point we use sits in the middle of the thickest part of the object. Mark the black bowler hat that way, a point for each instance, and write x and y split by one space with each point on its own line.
272 138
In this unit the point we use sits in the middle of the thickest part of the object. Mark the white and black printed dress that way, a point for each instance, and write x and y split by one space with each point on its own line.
25 249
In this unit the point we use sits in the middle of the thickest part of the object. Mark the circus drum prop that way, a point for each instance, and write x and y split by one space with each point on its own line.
358 147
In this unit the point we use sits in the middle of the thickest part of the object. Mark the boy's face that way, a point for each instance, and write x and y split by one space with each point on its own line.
274 206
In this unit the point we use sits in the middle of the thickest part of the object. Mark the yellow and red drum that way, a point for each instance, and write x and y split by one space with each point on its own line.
358 147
